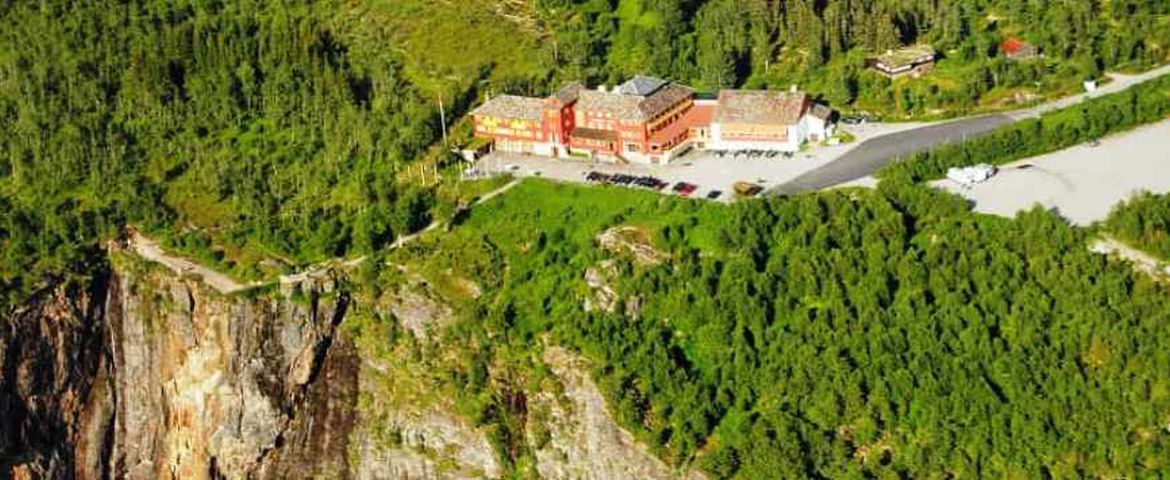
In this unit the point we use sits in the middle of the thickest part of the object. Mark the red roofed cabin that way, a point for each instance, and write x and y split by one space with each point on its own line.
1017 49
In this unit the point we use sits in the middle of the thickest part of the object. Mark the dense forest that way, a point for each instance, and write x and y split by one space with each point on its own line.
279 127
260 134
851 334
1143 222
821 45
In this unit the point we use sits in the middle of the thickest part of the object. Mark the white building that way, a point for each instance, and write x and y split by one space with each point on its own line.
767 121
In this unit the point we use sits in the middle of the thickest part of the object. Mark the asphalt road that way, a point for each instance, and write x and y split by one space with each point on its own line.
872 154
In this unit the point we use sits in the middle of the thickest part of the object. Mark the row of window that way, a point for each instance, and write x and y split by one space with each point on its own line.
673 118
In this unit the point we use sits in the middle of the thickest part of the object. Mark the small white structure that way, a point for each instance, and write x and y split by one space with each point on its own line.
1090 86
968 176
819 121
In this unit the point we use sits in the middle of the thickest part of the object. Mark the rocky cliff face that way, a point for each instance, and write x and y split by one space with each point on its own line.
211 387
146 374
54 398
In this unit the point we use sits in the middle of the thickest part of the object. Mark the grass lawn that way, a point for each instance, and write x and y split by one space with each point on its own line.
583 211
454 41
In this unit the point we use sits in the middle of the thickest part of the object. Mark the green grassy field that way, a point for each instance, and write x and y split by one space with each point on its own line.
455 41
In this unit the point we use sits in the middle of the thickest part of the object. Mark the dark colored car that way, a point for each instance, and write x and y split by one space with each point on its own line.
685 189
714 194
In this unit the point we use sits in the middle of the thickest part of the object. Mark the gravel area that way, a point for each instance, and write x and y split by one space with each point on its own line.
1082 183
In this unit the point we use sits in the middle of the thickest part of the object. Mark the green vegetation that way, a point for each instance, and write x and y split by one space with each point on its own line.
236 132
822 46
1053 131
265 135
1144 222
850 334
847 334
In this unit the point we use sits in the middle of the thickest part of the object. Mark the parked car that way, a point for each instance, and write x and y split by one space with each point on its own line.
714 195
685 189
746 189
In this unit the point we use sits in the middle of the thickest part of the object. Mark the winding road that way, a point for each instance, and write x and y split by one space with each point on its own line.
870 155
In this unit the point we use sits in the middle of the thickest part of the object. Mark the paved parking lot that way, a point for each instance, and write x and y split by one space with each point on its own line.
1082 183
708 170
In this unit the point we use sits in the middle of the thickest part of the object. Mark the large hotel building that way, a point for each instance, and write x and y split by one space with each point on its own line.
648 120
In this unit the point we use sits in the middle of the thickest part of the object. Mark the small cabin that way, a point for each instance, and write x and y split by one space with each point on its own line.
1017 49
914 60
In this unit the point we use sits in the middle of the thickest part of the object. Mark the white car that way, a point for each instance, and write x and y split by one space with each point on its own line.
968 176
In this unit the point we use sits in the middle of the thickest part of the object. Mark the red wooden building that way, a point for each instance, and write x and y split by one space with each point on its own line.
645 120
641 120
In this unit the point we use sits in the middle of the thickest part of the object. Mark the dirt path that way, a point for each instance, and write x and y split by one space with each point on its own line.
1141 261
149 250
323 267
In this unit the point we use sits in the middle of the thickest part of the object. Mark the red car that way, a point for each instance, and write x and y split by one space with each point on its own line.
685 189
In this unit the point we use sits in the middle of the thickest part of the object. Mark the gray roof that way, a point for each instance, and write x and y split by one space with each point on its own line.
569 92
761 107
634 107
512 107
907 56
641 86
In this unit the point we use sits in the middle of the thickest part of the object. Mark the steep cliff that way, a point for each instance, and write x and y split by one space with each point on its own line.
148 375
55 399
144 373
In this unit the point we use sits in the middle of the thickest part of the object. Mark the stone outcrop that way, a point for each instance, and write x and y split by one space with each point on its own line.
208 386
582 440
428 443
633 241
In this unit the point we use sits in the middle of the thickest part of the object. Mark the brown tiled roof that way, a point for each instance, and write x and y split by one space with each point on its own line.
512 107
664 98
760 107
634 107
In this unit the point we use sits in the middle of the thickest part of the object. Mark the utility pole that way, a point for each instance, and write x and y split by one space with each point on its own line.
443 118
